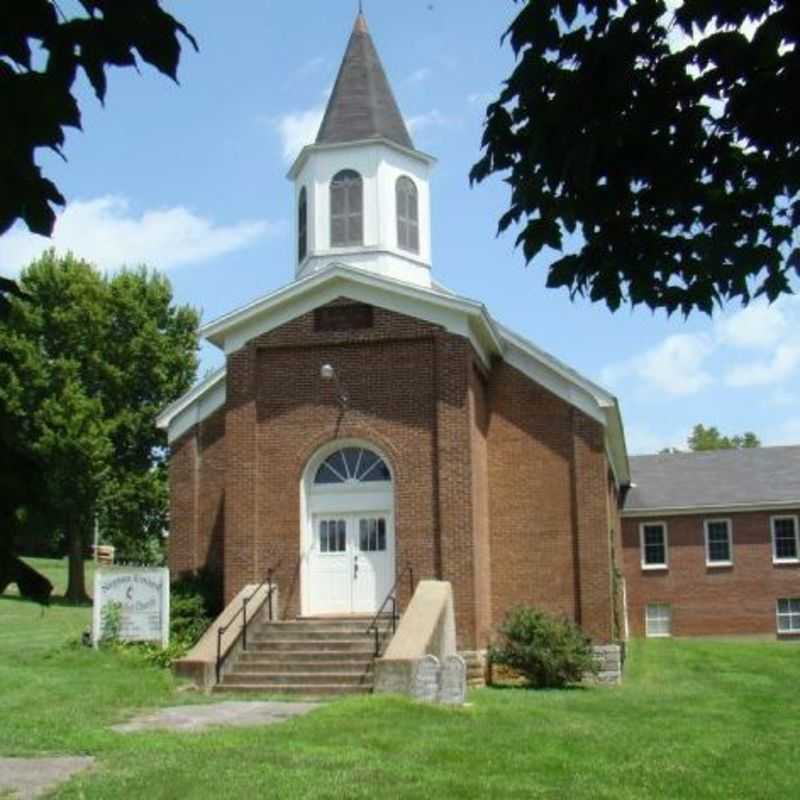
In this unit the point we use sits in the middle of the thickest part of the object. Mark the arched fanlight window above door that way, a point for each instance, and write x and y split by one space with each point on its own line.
302 225
347 209
352 465
407 214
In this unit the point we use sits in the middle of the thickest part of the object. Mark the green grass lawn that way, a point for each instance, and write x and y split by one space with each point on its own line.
694 720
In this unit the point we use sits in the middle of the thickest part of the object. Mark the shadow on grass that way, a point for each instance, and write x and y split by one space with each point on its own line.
54 601
524 687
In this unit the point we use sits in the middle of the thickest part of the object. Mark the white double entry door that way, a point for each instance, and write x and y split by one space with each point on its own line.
350 562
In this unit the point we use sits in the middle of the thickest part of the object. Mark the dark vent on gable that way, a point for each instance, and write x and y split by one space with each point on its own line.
343 318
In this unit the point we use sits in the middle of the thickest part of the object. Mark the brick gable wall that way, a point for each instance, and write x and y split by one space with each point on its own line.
500 487
548 505
710 600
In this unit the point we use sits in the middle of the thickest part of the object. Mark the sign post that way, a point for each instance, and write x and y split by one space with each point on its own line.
141 594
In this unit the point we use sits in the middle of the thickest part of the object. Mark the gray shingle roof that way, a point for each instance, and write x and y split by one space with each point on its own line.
723 478
362 105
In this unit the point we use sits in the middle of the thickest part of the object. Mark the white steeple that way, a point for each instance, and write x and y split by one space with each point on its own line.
362 194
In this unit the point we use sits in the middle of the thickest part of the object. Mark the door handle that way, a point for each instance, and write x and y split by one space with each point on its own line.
355 567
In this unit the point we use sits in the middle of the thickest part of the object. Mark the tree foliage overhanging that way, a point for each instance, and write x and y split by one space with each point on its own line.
42 51
666 140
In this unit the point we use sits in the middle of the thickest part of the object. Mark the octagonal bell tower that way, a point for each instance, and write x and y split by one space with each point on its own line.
362 192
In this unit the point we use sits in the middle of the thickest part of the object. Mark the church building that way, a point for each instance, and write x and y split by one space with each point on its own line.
370 423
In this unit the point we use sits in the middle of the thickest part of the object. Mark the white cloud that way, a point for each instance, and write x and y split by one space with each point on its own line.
676 366
774 329
759 326
681 363
106 233
297 129
782 365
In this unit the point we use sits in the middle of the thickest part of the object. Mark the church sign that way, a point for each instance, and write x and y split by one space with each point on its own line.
132 604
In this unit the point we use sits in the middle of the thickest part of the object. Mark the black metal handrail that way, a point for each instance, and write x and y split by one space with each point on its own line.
222 630
390 598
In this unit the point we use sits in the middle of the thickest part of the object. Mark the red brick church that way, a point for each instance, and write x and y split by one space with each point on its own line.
368 420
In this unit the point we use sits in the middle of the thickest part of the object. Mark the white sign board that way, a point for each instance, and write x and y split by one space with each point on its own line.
142 597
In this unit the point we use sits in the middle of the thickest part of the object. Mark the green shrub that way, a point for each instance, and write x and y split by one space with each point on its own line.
188 618
203 583
110 623
549 652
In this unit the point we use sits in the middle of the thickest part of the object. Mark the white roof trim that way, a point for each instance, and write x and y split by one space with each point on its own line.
313 148
732 508
190 402
577 390
457 314
601 396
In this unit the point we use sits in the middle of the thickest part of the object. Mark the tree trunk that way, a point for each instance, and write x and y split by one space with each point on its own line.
76 584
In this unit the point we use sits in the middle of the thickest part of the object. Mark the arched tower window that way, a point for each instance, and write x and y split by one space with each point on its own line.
347 209
302 226
352 465
407 215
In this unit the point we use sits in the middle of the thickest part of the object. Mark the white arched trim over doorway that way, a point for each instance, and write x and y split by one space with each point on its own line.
347 540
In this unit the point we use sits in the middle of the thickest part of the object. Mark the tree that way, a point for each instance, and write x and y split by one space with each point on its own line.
92 360
703 438
39 90
673 158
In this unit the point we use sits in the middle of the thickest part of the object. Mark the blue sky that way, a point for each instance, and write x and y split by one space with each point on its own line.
191 180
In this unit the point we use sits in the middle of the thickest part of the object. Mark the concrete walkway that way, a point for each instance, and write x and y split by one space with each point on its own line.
198 718
28 778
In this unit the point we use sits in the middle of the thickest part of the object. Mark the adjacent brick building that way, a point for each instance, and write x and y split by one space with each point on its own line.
368 420
711 543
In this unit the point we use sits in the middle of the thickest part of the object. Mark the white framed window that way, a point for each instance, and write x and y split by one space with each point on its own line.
719 543
347 209
407 214
653 537
785 545
658 620
788 612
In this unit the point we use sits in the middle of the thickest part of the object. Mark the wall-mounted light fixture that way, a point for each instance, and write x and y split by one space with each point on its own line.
328 373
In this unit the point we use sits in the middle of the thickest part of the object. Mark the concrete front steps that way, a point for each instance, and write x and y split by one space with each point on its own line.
309 657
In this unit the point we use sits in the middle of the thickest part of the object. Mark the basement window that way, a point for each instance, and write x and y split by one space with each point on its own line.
654 545
789 615
719 548
658 620
785 549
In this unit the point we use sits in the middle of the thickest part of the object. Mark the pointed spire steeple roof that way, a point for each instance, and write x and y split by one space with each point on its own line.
362 105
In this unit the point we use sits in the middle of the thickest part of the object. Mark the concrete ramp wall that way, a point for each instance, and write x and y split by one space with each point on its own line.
421 659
